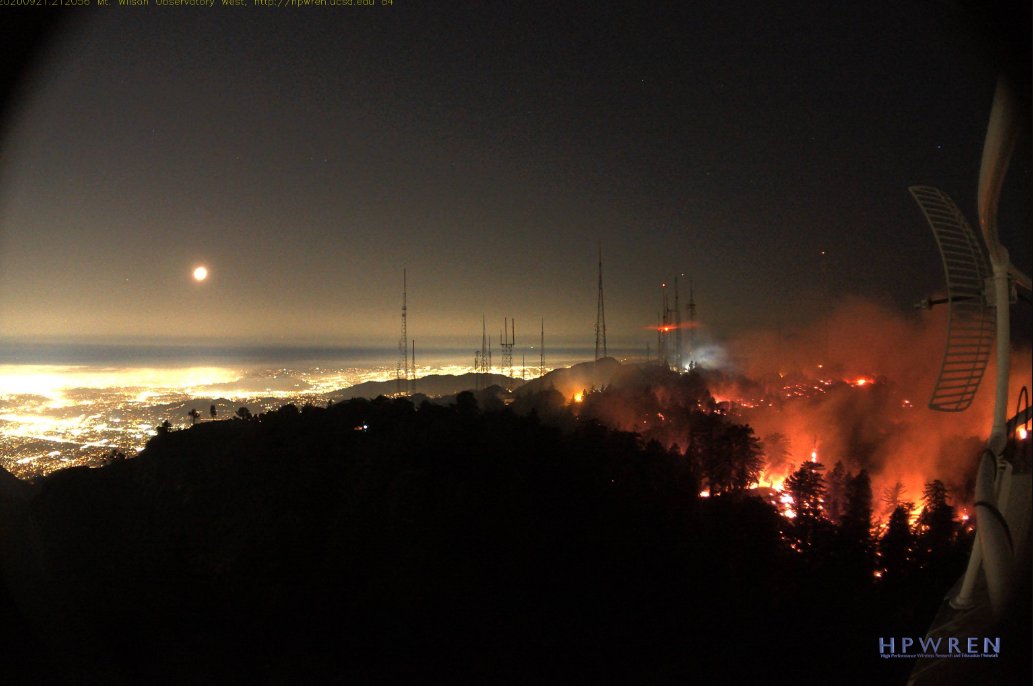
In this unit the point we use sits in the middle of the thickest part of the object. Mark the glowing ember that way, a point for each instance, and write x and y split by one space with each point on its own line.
705 493
579 397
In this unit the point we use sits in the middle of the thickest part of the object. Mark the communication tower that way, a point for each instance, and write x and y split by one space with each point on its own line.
508 339
600 312
668 323
692 328
541 352
482 358
402 371
677 329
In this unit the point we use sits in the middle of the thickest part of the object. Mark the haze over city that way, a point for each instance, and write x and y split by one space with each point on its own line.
306 158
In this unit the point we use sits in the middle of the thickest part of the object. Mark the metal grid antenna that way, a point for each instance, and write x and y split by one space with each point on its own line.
971 322
508 340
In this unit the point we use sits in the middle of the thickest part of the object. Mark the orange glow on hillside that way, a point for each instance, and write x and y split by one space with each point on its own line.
667 328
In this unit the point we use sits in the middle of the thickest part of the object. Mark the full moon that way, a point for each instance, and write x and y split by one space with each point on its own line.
200 274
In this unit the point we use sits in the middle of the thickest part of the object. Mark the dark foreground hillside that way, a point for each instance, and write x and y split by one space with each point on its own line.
377 542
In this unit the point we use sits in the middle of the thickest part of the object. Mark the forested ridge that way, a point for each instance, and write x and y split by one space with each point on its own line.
378 540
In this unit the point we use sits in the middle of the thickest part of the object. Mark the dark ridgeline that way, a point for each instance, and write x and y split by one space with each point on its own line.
377 541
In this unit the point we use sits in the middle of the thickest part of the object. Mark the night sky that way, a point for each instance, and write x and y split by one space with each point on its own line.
308 156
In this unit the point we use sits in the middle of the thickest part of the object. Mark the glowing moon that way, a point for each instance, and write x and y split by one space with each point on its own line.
200 274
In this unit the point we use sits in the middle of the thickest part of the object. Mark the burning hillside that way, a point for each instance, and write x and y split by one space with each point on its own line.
864 411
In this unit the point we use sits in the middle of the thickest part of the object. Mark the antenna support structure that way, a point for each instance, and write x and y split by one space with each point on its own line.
403 370
600 314
980 290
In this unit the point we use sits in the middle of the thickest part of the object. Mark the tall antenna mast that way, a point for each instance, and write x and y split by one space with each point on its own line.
827 305
402 368
600 311
482 360
508 339
664 329
677 328
692 327
541 352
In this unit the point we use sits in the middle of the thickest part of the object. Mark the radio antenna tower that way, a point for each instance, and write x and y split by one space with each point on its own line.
482 358
600 311
826 305
541 352
402 368
508 339
663 328
677 328
692 327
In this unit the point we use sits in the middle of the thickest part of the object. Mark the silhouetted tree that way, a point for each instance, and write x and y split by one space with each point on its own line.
288 410
936 528
895 546
164 428
777 451
858 507
193 414
807 486
548 404
836 492
893 496
744 455
466 403
855 531
212 411
704 449
243 413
